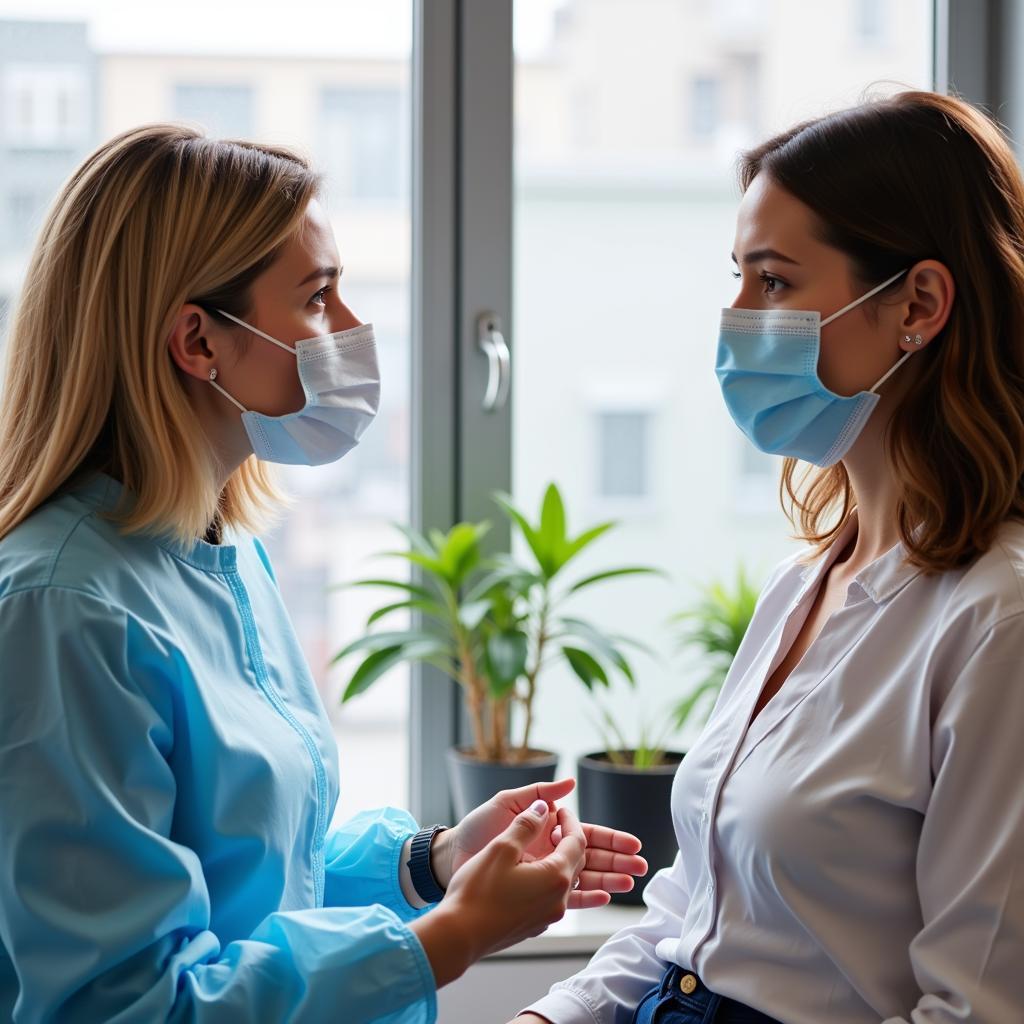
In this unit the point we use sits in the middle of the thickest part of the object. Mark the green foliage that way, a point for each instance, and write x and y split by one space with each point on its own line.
494 623
647 752
716 626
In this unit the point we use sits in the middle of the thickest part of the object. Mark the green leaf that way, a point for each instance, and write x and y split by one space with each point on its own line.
374 666
416 539
507 576
586 666
410 588
574 547
532 537
397 638
432 565
472 613
682 711
461 550
431 608
603 644
506 659
552 528
611 573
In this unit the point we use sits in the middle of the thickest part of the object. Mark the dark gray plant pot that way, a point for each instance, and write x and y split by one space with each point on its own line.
633 800
473 781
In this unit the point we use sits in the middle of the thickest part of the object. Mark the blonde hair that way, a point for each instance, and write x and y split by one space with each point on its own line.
947 188
158 216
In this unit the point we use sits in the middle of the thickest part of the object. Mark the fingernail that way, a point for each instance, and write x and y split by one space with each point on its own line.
540 808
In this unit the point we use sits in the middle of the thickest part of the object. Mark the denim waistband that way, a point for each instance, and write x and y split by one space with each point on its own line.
684 990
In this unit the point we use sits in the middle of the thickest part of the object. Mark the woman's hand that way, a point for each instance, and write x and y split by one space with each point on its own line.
611 861
498 897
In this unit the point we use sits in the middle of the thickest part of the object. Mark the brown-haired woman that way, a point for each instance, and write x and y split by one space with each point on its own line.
851 819
168 775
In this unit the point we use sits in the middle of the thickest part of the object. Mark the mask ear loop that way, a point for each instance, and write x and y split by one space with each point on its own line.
857 302
213 381
256 330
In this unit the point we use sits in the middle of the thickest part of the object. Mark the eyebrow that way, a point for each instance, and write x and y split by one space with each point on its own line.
331 272
765 254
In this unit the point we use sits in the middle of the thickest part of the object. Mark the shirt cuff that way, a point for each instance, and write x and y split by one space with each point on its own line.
565 1006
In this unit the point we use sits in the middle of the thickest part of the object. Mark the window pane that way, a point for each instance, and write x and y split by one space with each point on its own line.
629 115
331 80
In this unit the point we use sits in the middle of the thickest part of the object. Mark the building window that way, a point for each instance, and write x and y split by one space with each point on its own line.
224 110
704 114
870 22
363 131
623 448
46 106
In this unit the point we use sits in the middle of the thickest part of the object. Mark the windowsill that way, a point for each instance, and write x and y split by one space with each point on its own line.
579 933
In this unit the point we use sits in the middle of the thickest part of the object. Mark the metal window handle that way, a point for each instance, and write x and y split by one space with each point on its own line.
492 343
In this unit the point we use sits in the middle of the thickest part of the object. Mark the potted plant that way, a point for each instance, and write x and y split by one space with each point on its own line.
494 624
628 786
715 626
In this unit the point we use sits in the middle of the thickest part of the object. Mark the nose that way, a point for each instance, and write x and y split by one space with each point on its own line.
346 319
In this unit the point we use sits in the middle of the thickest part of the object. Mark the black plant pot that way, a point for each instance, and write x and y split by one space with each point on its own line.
474 781
634 800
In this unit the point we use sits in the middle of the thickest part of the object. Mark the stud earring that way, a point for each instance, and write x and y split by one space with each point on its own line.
918 340
213 372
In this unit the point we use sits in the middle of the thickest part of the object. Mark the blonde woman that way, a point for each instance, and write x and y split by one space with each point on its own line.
851 819
167 773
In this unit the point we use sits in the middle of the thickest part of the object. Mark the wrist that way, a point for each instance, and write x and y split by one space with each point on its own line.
442 856
449 941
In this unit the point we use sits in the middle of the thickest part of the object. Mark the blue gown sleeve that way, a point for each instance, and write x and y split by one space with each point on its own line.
362 859
103 916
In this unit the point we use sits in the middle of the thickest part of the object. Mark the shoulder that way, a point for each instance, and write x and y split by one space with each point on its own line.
990 591
66 545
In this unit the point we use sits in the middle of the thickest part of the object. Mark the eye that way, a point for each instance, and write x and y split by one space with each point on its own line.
318 297
771 282
736 274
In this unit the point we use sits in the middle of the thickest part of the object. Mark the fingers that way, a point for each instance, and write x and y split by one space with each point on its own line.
580 900
524 828
618 863
519 799
572 847
607 881
611 839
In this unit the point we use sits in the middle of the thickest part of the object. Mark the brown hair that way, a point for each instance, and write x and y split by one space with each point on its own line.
894 181
158 216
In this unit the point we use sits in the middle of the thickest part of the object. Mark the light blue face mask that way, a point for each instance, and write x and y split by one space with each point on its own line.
767 366
341 381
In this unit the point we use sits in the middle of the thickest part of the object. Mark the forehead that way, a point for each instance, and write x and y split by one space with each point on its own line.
313 241
769 216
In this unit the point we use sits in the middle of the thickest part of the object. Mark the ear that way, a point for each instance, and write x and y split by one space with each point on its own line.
930 291
195 341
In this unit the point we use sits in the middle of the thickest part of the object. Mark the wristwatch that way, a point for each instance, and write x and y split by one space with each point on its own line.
423 880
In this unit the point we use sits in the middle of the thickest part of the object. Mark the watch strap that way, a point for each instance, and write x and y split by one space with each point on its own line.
420 872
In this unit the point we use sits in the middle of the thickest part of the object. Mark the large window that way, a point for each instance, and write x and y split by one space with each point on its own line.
628 117
332 81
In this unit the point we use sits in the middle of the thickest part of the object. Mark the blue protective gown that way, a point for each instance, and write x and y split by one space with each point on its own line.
167 780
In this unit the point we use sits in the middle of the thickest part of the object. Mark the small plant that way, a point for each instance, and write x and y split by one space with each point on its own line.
716 625
495 624
647 752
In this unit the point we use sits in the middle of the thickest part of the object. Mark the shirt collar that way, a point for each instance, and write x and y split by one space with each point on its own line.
106 494
885 577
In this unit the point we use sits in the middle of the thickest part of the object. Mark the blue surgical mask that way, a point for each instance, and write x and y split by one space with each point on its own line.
341 380
767 366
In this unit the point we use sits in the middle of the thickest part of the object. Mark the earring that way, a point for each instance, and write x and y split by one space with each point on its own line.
213 372
918 340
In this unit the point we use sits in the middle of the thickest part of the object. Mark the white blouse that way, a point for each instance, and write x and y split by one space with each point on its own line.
854 855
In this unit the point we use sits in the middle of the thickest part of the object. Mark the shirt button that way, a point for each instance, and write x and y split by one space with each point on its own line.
711 888
687 983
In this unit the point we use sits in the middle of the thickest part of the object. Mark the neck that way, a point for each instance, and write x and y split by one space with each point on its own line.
875 489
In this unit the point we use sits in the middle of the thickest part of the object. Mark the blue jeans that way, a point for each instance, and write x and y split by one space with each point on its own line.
668 1003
